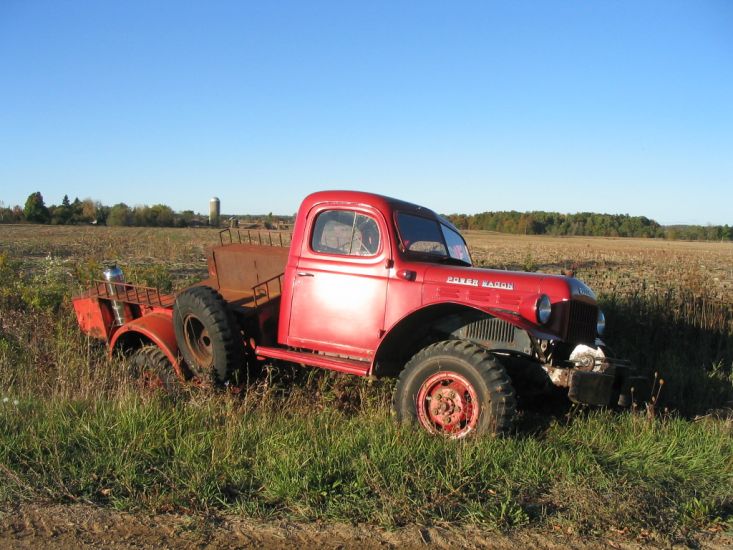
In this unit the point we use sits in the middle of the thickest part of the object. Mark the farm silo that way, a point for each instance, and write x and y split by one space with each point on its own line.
214 211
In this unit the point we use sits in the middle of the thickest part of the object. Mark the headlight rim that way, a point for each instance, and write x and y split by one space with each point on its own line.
601 323
543 309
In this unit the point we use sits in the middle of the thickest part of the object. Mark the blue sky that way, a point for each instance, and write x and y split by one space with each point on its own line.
603 106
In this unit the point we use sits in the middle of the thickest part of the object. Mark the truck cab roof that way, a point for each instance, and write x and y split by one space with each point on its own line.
387 205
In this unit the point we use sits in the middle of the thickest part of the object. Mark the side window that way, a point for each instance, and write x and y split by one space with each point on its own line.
346 233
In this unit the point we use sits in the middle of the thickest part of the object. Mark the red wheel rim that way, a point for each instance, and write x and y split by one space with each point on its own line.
447 404
198 341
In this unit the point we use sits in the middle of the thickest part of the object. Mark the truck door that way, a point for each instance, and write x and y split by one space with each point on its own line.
340 285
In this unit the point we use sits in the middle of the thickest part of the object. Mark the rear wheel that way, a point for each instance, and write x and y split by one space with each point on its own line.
207 335
151 370
455 388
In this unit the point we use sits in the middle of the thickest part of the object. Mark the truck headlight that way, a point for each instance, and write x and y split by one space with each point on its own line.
601 323
544 309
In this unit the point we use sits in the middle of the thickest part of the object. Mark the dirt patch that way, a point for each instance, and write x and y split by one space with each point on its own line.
81 526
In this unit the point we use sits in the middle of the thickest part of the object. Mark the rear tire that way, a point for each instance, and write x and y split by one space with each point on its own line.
207 335
454 389
151 370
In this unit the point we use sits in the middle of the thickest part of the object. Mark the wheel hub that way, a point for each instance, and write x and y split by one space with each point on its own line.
447 404
199 341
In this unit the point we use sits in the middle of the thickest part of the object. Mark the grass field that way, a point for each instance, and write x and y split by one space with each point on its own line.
310 444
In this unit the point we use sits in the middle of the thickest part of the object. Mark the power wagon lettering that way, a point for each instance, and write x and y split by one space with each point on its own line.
475 282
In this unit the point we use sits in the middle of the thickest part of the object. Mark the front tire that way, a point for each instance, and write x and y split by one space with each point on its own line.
455 388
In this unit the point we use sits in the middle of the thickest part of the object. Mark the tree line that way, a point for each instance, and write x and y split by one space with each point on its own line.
586 224
88 211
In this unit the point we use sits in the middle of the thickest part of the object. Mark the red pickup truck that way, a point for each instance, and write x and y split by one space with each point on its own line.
371 285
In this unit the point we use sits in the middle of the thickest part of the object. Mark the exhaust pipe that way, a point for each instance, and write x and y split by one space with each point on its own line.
113 275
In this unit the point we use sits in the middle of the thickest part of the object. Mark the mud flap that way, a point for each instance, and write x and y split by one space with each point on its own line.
591 388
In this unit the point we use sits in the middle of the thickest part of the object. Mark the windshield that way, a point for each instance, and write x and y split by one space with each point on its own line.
431 239
456 245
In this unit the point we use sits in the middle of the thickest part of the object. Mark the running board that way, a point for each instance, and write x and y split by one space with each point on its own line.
349 366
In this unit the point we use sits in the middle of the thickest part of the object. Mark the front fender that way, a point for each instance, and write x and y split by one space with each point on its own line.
412 332
156 327
409 334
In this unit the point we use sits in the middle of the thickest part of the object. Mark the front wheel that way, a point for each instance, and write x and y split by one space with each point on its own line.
455 388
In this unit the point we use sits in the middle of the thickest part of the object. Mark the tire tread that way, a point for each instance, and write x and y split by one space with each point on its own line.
213 307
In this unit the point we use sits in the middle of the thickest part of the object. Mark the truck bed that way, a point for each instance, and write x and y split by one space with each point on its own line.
247 275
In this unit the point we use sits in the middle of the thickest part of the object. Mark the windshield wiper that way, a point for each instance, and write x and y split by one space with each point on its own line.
454 261
437 258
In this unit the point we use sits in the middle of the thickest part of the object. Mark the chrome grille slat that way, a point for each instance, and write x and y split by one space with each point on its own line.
494 330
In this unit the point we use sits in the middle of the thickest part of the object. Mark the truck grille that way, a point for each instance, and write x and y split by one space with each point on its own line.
490 330
582 321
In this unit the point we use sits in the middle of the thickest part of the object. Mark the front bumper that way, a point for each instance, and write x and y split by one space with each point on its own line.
604 381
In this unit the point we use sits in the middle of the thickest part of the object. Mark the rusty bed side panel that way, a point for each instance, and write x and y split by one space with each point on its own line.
94 316
239 267
249 300
93 307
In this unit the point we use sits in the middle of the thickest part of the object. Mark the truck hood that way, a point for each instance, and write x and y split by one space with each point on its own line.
513 293
557 287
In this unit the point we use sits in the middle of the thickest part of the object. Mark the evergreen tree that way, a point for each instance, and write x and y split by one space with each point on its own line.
35 210
60 215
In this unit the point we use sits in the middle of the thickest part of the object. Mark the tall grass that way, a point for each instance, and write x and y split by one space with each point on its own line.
597 471
686 338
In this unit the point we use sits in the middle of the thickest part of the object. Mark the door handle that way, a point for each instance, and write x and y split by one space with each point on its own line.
304 274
